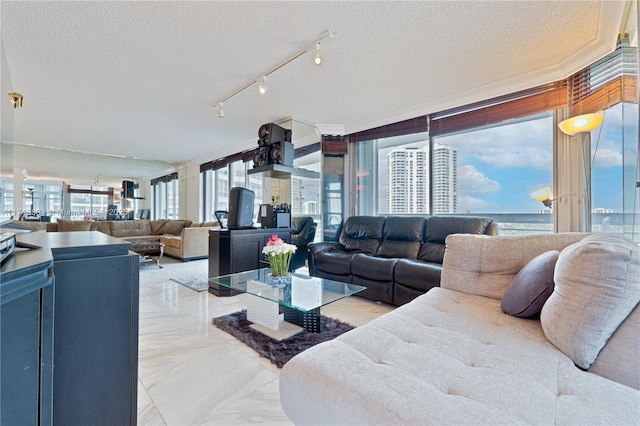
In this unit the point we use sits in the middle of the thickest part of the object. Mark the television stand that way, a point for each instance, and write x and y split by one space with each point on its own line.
238 250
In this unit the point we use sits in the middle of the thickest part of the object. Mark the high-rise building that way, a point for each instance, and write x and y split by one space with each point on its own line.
445 181
408 181
408 178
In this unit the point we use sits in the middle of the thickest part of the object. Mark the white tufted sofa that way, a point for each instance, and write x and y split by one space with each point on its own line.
452 356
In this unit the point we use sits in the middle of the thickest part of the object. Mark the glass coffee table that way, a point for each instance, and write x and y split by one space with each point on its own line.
300 301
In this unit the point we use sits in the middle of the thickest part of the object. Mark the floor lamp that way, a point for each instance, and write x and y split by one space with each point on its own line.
581 126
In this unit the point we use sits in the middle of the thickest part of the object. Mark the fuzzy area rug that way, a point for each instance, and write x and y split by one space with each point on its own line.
279 352
194 282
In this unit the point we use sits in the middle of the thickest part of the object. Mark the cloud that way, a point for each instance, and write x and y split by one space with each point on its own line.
524 144
608 155
472 204
473 181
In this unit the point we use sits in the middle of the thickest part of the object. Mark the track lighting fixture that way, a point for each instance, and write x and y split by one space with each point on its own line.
317 59
262 81
262 85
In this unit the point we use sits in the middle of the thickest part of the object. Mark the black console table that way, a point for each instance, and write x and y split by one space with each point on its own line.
238 250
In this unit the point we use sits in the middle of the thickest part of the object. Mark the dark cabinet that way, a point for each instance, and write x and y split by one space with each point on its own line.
69 331
96 341
26 335
237 250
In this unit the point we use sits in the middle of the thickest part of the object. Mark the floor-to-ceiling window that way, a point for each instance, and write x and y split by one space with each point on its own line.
483 160
611 85
392 175
85 202
491 171
219 176
165 193
305 191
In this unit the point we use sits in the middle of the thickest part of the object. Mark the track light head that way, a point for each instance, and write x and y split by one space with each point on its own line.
262 85
317 59
220 110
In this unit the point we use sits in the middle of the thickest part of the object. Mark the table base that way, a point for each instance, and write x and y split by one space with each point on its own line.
266 318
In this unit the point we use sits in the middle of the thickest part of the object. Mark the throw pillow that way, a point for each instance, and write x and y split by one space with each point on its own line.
597 286
531 287
156 225
172 227
73 225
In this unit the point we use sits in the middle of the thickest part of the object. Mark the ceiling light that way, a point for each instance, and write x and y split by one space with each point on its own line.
262 85
16 99
581 123
261 82
317 59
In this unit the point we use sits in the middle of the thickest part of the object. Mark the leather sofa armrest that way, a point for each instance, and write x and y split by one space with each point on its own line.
315 248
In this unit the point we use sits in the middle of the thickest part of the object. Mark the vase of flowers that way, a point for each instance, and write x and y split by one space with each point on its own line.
279 254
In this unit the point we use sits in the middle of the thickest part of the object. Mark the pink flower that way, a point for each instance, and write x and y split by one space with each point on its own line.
274 240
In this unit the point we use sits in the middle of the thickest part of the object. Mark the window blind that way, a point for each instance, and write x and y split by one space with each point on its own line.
406 127
334 144
606 83
165 178
496 110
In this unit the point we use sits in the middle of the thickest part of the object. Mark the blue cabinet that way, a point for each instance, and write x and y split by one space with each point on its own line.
69 331
26 335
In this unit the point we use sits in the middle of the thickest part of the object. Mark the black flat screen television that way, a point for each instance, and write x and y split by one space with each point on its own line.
240 208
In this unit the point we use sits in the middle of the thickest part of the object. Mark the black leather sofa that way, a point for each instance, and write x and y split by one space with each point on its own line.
396 257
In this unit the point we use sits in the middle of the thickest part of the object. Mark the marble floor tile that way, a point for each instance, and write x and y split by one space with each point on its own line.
190 372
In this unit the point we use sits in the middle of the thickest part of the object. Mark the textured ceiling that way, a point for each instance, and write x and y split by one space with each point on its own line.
139 78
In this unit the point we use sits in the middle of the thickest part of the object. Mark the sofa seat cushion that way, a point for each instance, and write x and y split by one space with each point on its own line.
334 262
171 241
448 358
417 274
373 267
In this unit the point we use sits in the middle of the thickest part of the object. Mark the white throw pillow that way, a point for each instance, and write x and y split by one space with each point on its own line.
597 285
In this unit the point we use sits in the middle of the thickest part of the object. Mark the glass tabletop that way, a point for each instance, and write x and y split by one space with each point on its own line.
304 293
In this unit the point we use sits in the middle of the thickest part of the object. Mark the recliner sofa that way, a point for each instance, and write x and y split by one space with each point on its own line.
396 257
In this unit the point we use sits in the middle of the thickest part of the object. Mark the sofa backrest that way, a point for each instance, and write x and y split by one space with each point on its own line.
437 228
303 230
486 265
130 228
362 233
618 359
401 237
